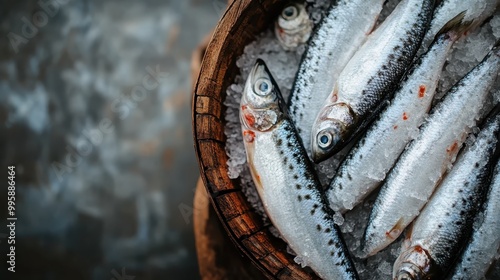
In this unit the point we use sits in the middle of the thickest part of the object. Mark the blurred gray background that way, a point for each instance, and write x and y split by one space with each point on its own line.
95 114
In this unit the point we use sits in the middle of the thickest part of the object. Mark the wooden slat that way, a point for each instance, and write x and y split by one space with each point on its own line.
244 225
231 202
259 244
220 181
212 155
209 127
208 106
273 263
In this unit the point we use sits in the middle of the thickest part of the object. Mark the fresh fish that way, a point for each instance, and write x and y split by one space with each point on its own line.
286 181
340 33
481 250
293 26
445 225
477 11
418 170
370 77
373 156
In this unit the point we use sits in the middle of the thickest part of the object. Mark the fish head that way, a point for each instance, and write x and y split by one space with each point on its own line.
331 130
414 264
294 20
262 106
293 26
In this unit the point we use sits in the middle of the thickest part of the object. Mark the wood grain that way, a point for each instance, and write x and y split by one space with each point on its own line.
217 257
240 24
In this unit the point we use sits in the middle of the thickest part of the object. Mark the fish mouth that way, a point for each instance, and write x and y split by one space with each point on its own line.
259 70
250 101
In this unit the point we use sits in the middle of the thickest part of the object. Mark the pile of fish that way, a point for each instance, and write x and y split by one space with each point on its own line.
368 91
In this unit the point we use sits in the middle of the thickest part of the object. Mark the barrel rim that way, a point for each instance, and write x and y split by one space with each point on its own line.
239 25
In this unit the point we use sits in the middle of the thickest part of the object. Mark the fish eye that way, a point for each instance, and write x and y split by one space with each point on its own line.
405 276
262 87
290 12
325 140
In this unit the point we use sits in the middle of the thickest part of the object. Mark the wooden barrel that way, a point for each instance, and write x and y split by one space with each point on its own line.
241 23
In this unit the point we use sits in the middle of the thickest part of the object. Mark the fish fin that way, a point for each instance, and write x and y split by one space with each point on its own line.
374 26
256 177
407 240
456 27
409 232
396 230
253 171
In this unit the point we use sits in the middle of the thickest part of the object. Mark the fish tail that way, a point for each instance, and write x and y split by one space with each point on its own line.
456 27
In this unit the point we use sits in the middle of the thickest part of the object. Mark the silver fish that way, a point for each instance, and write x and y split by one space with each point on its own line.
293 26
370 77
374 155
286 182
419 169
477 10
481 250
445 225
340 33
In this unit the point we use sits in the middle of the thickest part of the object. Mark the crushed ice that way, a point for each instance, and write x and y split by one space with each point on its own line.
467 53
